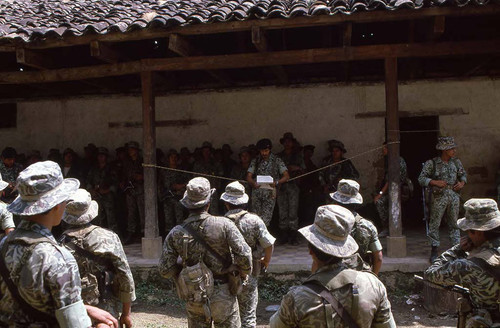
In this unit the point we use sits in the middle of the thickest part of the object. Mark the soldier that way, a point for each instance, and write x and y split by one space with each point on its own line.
225 239
6 220
239 171
206 164
69 167
381 200
330 177
134 187
9 170
288 198
446 176
310 193
266 163
186 162
117 167
101 184
227 162
40 281
361 297
107 281
363 230
475 262
260 241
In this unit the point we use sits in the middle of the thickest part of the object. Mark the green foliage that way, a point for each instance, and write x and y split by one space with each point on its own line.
153 294
273 290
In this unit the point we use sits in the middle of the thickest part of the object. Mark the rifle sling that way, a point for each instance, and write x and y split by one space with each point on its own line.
493 271
322 291
202 241
14 291
66 240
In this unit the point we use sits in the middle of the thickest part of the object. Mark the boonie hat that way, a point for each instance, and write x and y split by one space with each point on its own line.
264 144
235 194
41 186
330 232
481 214
446 143
347 192
3 184
81 209
133 144
102 151
336 144
287 135
197 194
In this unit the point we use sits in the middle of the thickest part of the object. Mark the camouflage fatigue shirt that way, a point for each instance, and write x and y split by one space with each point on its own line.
274 166
455 267
211 167
403 170
219 232
47 277
253 230
101 178
301 307
9 174
333 174
435 169
6 220
131 169
105 244
168 178
366 236
295 158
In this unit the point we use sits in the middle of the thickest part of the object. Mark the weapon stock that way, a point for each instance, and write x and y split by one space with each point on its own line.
454 288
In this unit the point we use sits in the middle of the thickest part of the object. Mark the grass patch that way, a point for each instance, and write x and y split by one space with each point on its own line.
151 294
273 290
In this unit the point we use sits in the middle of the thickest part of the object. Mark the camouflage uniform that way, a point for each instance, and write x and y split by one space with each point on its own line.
106 245
301 307
445 200
101 182
366 236
9 175
213 168
288 198
382 204
239 173
46 275
263 200
331 176
6 220
258 238
223 236
173 210
134 196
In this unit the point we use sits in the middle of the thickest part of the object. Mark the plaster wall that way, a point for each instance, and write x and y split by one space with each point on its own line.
314 114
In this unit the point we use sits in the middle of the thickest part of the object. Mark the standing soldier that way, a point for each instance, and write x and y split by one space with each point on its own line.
9 170
288 198
239 171
446 176
107 281
134 187
40 281
260 241
206 164
266 163
117 167
6 219
329 178
101 184
356 298
475 262
363 231
196 241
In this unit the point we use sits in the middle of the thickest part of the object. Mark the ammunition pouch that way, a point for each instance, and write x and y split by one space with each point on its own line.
256 267
235 282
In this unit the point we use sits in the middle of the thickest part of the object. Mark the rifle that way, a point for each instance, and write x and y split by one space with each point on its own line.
426 201
463 304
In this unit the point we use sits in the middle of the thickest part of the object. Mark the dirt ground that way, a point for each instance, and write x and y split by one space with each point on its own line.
149 313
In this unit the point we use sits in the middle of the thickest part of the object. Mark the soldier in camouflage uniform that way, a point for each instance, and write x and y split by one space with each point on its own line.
446 175
363 231
98 252
329 243
239 171
44 274
381 200
260 241
223 236
9 170
6 219
329 178
266 163
134 187
206 164
101 182
475 262
288 198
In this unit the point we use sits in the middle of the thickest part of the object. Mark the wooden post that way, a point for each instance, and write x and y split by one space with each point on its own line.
151 243
396 242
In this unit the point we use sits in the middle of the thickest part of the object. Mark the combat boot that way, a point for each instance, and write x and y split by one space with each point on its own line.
434 254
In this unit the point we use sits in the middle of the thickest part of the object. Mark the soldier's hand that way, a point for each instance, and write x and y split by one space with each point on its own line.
101 317
8 230
458 185
439 183
126 320
466 244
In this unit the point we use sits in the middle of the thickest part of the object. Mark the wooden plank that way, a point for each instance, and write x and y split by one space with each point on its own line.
291 57
260 41
347 35
438 27
105 53
271 23
7 48
33 59
159 124
419 113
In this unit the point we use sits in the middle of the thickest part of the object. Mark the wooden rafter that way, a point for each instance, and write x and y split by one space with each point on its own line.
30 58
260 41
105 52
438 27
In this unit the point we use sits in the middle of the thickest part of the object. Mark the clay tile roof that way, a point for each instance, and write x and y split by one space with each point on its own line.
31 19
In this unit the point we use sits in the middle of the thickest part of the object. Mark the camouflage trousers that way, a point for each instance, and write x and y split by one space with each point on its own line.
106 211
263 204
382 205
174 212
445 204
223 307
113 306
247 302
288 205
135 212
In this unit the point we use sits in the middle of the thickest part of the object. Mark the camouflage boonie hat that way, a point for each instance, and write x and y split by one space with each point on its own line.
287 135
132 144
41 186
336 144
330 232
244 149
197 194
481 214
347 192
235 194
68 150
3 184
446 143
81 209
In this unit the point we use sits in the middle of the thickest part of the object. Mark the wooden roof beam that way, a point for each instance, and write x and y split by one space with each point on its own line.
181 46
260 41
105 52
34 59
438 27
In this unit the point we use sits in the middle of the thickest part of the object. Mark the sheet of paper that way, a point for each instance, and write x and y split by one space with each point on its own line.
265 181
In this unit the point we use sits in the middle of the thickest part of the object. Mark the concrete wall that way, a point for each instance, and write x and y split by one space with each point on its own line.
314 114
